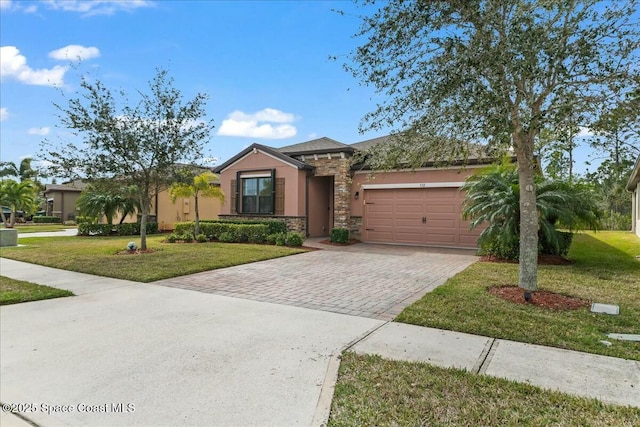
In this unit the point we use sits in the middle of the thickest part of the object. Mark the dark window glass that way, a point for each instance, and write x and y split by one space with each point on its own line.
257 195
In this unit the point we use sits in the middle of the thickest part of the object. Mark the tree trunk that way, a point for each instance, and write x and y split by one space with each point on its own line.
4 219
528 215
197 224
144 207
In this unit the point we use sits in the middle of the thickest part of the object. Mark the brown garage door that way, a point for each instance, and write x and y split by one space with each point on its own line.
420 216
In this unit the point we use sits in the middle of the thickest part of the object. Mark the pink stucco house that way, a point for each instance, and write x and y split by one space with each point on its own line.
314 186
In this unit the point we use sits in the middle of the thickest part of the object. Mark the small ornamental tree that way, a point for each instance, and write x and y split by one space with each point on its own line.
17 196
201 185
134 142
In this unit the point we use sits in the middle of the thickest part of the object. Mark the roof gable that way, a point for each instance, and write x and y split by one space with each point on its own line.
265 150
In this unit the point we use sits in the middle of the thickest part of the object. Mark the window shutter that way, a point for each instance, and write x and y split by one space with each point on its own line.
234 197
279 196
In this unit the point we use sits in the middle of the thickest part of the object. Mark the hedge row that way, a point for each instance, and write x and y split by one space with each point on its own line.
46 220
511 250
215 227
275 226
126 229
253 233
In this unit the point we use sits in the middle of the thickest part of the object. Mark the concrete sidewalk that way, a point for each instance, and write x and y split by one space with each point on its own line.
61 233
190 358
608 379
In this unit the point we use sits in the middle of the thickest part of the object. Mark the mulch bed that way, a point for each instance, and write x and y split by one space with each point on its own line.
544 299
542 260
351 242
136 252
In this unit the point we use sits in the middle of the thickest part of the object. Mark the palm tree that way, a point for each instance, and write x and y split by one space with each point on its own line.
24 171
201 186
96 202
16 196
492 199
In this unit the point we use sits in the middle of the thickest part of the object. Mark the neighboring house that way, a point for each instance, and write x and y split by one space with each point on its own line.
314 187
61 199
634 187
167 213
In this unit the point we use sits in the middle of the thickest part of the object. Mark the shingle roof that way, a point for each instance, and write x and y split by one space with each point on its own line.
320 145
364 145
79 187
269 150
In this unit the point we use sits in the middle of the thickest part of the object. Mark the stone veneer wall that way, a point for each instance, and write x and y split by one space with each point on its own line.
294 223
355 227
340 169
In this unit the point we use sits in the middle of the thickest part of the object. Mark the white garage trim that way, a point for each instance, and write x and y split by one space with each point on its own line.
412 185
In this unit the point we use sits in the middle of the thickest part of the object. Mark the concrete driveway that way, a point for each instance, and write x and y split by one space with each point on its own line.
367 280
125 353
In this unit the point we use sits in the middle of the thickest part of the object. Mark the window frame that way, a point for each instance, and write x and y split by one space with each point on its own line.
242 177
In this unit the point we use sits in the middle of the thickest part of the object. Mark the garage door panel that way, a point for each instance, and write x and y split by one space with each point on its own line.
395 216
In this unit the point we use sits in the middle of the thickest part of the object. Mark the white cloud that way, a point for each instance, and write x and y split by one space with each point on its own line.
74 52
30 9
14 65
312 135
39 131
253 125
4 114
585 131
5 4
97 7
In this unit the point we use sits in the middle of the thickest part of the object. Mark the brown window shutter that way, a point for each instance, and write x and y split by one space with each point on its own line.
234 202
279 196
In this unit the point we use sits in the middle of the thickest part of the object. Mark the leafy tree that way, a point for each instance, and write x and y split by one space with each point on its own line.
135 143
495 72
98 201
200 186
24 171
492 199
617 144
17 196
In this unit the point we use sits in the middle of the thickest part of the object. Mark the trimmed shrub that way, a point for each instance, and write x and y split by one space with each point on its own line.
294 239
274 225
171 238
339 235
227 237
46 220
70 223
82 219
201 238
564 243
281 239
271 238
126 229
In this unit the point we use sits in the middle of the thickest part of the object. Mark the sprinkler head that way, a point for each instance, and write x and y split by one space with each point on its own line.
527 296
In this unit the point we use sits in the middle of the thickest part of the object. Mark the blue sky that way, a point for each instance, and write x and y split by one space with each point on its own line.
264 64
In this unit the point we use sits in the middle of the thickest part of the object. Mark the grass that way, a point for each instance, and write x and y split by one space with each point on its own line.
16 291
41 228
97 255
604 270
372 391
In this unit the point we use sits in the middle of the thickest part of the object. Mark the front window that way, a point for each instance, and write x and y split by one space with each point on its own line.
257 195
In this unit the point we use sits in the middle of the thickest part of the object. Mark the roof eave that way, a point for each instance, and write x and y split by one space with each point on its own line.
632 184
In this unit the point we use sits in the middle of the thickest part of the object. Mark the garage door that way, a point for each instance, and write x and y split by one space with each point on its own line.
419 216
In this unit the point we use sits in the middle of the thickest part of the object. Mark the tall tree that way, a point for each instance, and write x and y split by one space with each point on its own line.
24 171
137 143
201 185
491 71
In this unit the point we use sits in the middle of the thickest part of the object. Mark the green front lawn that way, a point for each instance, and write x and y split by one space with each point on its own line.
605 270
372 391
16 291
98 255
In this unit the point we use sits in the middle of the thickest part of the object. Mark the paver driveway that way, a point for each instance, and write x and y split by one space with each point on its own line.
367 280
